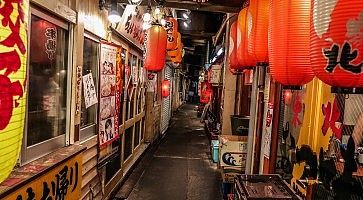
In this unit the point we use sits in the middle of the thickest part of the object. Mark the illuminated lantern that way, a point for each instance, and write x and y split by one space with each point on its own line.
243 59
13 62
165 91
289 39
174 52
336 42
257 31
155 48
287 97
206 92
45 33
178 58
233 62
171 28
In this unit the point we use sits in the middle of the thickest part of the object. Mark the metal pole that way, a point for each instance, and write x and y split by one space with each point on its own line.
253 122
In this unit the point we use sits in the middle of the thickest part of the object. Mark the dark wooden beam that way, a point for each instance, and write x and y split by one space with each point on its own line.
190 5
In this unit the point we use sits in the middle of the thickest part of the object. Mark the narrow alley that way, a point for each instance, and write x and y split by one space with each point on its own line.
181 99
181 167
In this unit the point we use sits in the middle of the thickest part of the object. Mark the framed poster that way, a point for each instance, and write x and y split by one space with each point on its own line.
110 83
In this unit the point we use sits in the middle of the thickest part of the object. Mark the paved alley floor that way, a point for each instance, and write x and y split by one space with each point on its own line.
181 167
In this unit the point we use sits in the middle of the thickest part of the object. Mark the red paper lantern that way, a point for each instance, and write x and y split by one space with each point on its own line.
171 28
45 33
155 48
336 42
242 55
257 30
289 39
165 89
206 92
175 51
233 62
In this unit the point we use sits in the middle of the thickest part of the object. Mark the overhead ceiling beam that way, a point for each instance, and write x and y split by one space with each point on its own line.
190 5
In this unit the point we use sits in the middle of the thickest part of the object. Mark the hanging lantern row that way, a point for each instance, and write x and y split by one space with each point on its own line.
251 37
155 48
289 49
305 38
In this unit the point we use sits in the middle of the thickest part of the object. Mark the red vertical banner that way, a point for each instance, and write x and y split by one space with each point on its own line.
110 81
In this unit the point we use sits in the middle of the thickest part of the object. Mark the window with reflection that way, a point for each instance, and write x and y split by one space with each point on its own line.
137 134
142 128
48 70
128 142
123 61
90 65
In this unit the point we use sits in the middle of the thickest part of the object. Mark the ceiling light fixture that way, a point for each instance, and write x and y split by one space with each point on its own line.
185 15
135 2
163 22
113 14
220 51
185 24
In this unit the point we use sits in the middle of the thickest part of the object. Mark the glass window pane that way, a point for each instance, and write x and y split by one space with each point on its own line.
137 134
123 60
128 142
142 128
90 65
47 81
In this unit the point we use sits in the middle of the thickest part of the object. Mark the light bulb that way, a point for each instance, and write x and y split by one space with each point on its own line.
185 15
146 26
163 22
147 17
220 51
157 11
114 17
185 24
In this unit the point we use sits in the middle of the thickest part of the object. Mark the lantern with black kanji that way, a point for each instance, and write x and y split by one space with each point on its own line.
171 28
155 48
289 42
233 61
165 88
257 31
244 61
13 70
45 33
206 92
336 42
175 51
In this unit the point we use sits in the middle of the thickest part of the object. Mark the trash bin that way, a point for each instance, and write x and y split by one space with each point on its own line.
240 125
215 150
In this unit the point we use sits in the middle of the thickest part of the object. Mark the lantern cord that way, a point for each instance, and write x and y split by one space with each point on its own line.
219 33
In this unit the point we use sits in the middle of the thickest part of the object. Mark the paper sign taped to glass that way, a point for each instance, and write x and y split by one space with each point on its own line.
89 91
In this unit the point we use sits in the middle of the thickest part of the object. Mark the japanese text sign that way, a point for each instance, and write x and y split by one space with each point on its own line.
131 25
62 183
89 90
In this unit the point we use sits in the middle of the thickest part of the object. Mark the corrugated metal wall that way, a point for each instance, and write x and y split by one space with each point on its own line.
166 106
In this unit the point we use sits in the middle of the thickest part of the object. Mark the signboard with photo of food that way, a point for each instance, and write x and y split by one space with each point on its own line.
109 95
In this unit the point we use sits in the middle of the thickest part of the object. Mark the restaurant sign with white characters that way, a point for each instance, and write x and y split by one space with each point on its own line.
131 25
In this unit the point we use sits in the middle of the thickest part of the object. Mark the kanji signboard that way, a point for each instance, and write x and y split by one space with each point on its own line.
61 183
